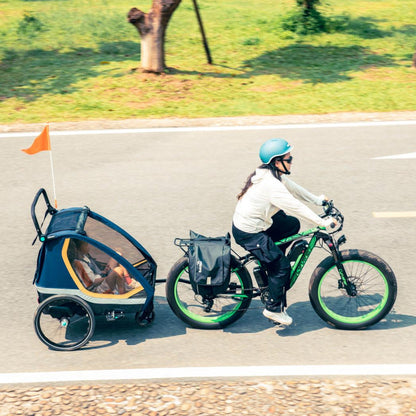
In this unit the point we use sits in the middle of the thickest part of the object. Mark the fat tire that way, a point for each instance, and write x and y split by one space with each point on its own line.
379 269
179 270
80 305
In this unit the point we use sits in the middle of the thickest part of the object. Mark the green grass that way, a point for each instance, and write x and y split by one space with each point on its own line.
64 60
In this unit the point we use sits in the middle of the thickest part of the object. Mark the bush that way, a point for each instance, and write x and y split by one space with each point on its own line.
30 24
306 19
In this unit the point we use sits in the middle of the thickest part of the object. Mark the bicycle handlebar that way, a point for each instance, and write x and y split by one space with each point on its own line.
330 210
50 209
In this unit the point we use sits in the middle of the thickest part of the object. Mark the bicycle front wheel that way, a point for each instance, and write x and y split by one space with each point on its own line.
368 299
64 322
213 313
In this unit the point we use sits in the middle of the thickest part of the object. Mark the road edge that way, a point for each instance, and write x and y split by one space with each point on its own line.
212 121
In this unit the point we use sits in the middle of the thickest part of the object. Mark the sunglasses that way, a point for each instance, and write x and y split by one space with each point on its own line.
288 160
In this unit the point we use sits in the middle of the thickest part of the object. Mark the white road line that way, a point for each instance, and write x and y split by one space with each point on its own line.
395 214
214 128
402 156
211 372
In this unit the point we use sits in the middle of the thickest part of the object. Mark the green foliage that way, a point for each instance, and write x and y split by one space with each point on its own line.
307 19
304 23
251 41
30 24
308 4
80 59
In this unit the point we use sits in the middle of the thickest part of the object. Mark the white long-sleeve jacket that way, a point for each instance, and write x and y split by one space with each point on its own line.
268 195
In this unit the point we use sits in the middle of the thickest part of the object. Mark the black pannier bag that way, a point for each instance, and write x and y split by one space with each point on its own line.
209 264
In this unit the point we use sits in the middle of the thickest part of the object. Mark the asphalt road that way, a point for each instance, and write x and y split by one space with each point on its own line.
160 184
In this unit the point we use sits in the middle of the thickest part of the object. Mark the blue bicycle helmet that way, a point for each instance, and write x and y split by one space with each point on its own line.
273 148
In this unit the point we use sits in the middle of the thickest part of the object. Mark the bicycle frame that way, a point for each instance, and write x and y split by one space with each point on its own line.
349 289
303 258
315 234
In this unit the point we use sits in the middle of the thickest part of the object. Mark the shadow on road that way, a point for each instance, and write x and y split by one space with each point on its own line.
165 325
306 320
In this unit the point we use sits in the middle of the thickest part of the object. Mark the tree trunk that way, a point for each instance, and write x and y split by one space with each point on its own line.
152 28
308 6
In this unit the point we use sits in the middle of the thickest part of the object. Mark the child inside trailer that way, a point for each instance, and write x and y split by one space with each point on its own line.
113 278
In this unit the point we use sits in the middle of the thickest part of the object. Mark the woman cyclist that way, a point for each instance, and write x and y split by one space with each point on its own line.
260 219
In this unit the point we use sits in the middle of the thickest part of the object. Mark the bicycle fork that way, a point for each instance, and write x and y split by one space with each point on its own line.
343 282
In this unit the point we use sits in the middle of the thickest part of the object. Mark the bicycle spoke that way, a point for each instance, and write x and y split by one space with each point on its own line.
64 323
208 307
370 286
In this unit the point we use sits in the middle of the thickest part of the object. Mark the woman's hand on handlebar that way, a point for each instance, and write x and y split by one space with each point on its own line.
330 222
324 199
332 217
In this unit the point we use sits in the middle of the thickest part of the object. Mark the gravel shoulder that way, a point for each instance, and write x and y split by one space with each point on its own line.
257 397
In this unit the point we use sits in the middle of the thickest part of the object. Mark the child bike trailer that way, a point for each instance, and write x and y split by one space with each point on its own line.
87 266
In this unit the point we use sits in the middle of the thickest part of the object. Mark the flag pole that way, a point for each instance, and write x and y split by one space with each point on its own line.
52 172
53 179
41 143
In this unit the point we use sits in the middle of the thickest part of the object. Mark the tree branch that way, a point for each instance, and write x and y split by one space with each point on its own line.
139 19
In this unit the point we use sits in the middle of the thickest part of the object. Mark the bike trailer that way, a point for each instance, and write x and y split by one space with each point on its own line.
57 272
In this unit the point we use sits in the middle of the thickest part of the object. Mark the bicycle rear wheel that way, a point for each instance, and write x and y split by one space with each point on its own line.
64 322
373 290
213 313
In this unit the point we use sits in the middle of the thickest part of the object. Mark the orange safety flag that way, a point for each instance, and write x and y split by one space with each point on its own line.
42 142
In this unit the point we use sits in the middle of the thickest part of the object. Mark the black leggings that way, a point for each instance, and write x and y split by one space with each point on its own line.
283 226
272 256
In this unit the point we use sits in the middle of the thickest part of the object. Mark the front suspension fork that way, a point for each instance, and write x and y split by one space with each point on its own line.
344 282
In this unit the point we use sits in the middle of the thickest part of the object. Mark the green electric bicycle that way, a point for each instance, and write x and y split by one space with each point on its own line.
350 289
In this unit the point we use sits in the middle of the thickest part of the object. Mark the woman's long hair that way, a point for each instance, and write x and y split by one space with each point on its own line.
271 166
